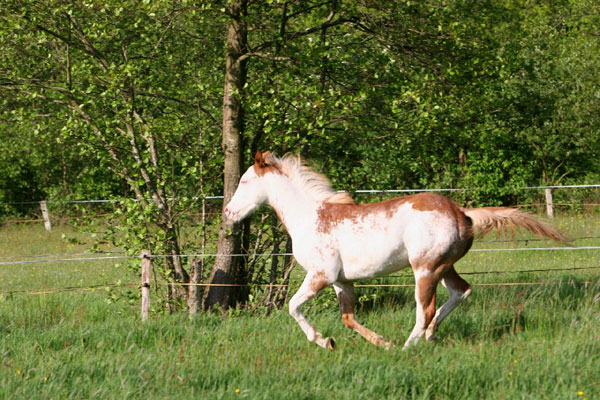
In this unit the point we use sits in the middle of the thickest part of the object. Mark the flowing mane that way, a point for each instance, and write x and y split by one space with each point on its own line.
313 183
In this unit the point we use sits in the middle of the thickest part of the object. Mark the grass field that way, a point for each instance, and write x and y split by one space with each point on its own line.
537 341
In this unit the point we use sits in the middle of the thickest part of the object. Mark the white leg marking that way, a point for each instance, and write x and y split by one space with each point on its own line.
311 286
419 329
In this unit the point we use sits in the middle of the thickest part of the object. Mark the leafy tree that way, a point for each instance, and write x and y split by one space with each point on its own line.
124 79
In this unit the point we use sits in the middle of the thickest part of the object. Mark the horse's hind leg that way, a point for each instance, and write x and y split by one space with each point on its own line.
426 284
346 299
459 290
312 285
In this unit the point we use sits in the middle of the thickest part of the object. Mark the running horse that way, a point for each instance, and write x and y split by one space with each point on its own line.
337 241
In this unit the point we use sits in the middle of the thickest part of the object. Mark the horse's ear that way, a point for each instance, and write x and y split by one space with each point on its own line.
259 160
268 157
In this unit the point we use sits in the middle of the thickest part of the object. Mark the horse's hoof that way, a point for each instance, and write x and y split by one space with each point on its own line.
380 341
432 338
388 345
330 345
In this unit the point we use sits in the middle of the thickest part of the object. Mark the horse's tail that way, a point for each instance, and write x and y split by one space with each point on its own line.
501 219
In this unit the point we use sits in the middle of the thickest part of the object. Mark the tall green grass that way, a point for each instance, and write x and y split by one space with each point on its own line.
525 342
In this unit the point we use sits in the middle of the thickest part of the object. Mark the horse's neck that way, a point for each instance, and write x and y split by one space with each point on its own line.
292 205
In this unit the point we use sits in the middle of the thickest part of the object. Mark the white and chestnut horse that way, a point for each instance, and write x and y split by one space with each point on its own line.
337 241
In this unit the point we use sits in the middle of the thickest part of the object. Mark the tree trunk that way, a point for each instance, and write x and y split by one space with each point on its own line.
180 275
194 298
225 267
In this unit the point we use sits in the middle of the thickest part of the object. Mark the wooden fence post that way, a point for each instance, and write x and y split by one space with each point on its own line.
194 295
46 215
549 208
146 265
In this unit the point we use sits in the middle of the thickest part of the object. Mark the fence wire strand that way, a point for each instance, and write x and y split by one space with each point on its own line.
70 289
205 255
63 254
358 285
358 191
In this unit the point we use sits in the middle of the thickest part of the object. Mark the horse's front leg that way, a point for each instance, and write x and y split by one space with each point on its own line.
312 285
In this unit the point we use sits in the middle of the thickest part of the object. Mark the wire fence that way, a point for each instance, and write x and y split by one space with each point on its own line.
53 258
63 254
362 191
210 255
121 255
278 285
76 217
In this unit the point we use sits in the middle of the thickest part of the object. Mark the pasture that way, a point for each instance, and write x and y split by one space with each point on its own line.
536 339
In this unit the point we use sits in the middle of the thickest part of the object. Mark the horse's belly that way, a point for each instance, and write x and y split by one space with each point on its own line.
373 259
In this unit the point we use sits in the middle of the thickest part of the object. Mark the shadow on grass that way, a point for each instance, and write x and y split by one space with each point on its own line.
375 298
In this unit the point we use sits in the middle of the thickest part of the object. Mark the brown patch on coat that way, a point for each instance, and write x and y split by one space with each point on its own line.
431 202
430 311
318 282
331 214
426 287
346 304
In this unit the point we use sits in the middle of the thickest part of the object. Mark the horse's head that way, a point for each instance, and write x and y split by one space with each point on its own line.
251 191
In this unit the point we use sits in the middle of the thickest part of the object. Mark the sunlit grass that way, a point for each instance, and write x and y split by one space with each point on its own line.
26 243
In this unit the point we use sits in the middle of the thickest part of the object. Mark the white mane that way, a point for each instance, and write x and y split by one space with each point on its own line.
313 183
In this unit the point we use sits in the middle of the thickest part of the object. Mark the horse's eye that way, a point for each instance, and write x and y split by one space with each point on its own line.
243 181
